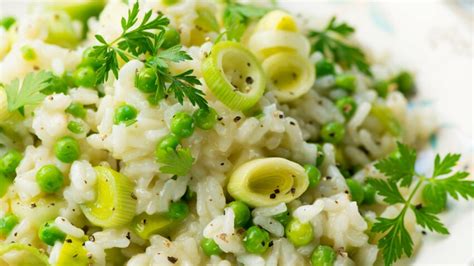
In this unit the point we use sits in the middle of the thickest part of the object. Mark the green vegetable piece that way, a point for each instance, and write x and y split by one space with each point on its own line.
324 68
205 118
241 213
347 106
182 125
49 233
28 53
5 183
369 194
77 110
333 132
125 114
170 141
30 91
284 218
89 58
172 38
210 247
49 179
29 255
67 149
323 256
56 85
356 190
434 197
178 210
73 253
346 82
170 2
206 20
7 223
299 233
75 127
9 162
387 119
7 22
320 156
256 240
80 9
381 87
61 31
406 83
85 77
145 225
174 161
314 175
146 79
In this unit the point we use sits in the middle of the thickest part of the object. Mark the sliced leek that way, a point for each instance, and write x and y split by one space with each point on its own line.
289 75
43 209
4 113
78 9
114 205
28 255
387 119
234 75
266 43
73 253
145 225
268 181
61 31
277 20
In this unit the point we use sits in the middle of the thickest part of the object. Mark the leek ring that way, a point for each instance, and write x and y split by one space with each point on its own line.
266 43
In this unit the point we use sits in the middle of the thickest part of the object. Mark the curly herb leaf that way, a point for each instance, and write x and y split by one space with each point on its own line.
175 162
238 16
399 167
30 91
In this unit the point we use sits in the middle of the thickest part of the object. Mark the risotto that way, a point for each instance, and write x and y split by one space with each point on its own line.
183 132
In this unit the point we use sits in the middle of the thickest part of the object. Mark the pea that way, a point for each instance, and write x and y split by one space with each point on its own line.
172 38
319 155
5 183
125 114
346 82
85 77
314 175
7 22
324 68
299 233
89 58
357 192
75 127
256 240
182 125
241 213
333 132
178 210
145 80
210 247
28 53
56 85
9 162
205 118
67 149
170 141
77 110
347 106
49 234
369 194
323 256
381 87
284 218
49 179
405 83
7 223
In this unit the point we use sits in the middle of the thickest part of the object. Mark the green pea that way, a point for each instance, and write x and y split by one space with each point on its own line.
125 114
182 125
256 240
405 83
5 183
89 58
178 210
67 149
369 194
7 22
347 106
284 218
357 192
314 175
85 77
49 234
172 38
56 85
241 213
75 127
320 156
7 223
324 68
323 256
146 80
49 179
28 53
189 194
381 87
333 132
77 110
346 82
299 233
205 118
170 141
9 162
210 247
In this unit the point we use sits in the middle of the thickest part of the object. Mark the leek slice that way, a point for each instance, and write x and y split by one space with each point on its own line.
78 9
61 31
29 255
43 209
4 113
266 43
387 119
268 181
289 75
73 253
234 75
145 225
114 205
277 20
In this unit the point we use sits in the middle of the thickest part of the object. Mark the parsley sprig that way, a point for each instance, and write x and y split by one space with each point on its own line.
145 38
175 161
238 16
400 170
332 42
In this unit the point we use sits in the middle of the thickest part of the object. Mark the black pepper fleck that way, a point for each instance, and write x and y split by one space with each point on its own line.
237 119
272 196
172 259
69 240
249 80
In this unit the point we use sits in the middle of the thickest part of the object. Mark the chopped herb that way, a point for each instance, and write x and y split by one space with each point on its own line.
175 161
238 16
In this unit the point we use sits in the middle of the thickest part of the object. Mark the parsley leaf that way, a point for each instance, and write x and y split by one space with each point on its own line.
387 189
238 16
457 185
435 196
444 166
175 162
428 220
30 91
331 43
400 166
